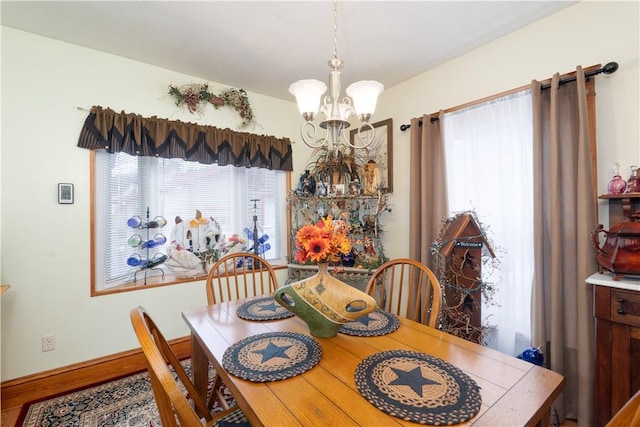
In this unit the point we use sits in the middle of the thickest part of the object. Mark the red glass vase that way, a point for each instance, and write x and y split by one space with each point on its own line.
617 185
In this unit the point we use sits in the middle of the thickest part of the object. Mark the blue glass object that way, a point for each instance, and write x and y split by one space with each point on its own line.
532 355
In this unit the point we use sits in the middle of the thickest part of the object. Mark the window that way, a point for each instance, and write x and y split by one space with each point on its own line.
128 186
489 154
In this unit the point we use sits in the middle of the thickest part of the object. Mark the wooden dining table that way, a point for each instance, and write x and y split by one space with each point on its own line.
514 392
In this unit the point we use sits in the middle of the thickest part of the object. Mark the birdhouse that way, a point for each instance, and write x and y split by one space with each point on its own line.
464 244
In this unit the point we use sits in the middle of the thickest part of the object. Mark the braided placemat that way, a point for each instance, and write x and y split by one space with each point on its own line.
265 308
272 356
418 387
378 322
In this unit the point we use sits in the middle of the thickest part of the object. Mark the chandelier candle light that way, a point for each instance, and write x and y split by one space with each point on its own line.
360 100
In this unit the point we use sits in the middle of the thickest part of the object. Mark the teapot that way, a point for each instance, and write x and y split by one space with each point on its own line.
620 253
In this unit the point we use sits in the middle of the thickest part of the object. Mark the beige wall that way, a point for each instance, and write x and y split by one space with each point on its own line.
45 245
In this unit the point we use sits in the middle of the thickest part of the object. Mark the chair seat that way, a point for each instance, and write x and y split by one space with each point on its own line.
235 418
628 415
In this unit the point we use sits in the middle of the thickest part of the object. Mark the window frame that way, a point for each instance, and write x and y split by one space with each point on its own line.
153 281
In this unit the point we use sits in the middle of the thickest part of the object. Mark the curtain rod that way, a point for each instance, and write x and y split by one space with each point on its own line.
609 68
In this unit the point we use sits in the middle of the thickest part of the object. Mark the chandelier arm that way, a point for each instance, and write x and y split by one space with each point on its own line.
366 139
347 101
308 133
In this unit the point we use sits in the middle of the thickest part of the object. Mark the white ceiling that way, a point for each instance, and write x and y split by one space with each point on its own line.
264 46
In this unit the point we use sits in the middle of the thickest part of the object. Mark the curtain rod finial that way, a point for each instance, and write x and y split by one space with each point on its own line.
610 68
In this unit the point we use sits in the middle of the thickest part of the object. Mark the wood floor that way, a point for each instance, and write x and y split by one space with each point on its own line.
9 417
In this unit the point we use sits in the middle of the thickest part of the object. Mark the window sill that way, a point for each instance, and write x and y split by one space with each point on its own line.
151 282
158 281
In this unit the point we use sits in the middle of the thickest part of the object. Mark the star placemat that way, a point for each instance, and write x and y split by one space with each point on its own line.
272 356
378 322
265 308
418 387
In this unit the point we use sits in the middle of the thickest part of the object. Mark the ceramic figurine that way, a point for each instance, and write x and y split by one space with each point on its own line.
633 183
322 188
307 184
372 177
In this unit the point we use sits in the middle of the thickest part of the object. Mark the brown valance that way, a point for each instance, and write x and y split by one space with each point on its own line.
156 137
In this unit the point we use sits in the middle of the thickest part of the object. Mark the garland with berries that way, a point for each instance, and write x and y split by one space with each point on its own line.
197 96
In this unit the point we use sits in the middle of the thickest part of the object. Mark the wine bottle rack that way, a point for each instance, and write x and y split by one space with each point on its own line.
146 262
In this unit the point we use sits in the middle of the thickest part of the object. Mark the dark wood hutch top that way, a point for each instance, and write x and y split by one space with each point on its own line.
621 206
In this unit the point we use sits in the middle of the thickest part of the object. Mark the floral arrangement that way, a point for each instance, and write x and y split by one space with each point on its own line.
326 165
325 241
197 96
208 256
234 243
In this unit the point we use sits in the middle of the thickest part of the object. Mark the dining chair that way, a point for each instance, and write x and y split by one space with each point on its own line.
629 414
407 288
173 405
240 275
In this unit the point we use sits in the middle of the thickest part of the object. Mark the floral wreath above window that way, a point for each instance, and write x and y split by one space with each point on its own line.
197 96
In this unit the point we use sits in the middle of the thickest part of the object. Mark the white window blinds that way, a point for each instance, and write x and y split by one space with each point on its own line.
126 186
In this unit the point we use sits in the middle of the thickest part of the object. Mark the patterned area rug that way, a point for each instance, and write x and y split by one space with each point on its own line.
127 402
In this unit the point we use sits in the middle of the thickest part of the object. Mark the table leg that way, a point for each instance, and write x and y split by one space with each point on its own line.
544 420
199 368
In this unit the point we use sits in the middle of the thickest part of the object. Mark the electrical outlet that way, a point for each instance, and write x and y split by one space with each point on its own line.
48 342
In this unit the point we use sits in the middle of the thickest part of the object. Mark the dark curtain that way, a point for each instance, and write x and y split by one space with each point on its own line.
139 136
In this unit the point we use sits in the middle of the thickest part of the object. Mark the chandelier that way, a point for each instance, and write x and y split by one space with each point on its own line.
360 101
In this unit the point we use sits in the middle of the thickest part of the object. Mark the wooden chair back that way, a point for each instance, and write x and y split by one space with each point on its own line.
629 414
173 405
408 288
240 275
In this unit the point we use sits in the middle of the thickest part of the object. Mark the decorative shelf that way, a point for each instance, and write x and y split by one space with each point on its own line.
621 206
620 196
364 214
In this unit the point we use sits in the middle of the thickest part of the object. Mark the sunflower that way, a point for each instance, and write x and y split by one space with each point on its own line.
318 249
322 242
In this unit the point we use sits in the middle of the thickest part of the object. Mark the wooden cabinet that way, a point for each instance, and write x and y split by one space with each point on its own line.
617 313
617 317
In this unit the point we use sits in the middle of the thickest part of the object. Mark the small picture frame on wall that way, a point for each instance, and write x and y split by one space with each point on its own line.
65 193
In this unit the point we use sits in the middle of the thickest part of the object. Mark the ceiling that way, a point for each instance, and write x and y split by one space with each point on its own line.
264 46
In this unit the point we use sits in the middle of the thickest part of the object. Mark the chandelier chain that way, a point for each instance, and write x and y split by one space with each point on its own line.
335 29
